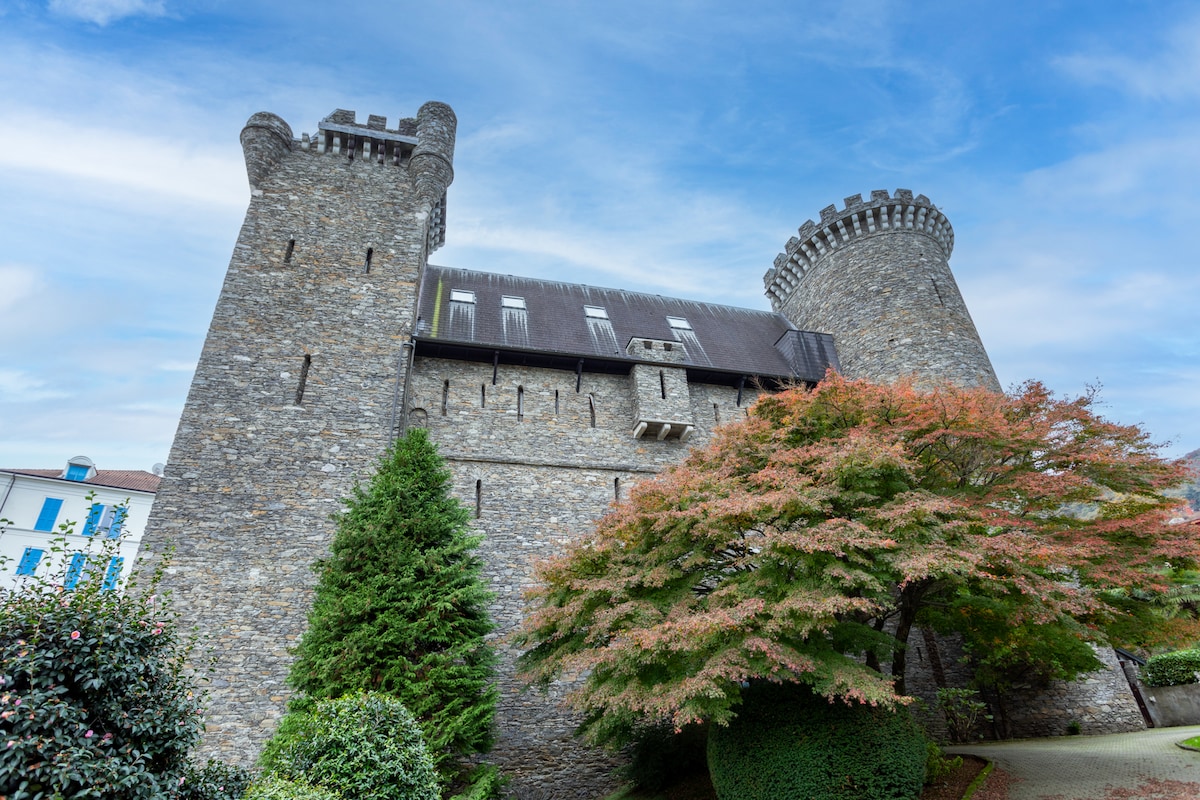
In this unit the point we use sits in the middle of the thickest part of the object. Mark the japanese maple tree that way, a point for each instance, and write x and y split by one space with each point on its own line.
804 543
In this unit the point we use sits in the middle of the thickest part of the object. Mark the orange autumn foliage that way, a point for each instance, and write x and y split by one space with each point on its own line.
804 543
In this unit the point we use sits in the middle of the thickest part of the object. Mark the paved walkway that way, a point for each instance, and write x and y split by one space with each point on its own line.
1088 767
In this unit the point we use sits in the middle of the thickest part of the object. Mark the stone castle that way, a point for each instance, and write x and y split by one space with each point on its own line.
548 400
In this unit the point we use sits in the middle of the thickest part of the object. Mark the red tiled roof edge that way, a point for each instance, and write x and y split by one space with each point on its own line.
136 480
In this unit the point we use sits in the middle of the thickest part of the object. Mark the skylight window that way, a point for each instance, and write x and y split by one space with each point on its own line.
461 296
595 312
679 323
507 301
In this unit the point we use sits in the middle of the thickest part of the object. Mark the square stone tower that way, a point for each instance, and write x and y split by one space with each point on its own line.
297 392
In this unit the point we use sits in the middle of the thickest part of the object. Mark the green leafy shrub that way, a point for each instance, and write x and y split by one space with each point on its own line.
95 699
482 783
787 742
1172 669
364 746
272 787
963 710
937 766
216 780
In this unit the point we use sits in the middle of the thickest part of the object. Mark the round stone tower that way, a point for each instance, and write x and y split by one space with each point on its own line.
877 276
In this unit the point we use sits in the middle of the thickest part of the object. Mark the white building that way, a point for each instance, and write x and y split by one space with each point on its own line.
59 523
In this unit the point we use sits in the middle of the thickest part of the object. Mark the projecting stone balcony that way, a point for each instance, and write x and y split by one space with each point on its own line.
662 429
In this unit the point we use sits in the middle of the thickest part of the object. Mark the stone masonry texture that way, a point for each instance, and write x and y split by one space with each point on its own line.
305 379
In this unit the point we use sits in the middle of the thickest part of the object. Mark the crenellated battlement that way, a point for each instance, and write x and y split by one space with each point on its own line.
342 134
424 145
881 214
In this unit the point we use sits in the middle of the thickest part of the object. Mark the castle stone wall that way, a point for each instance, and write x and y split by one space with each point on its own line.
539 482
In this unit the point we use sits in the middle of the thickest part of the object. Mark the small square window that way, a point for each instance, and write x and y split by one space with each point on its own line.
75 569
461 296
49 514
29 561
512 302
595 312
679 323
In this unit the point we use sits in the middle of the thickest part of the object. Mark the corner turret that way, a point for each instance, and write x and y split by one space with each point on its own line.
877 276
433 164
266 139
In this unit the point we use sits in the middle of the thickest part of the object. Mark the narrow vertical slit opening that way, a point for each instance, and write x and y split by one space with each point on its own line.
520 403
367 260
592 408
556 402
303 378
617 490
483 395
662 384
937 291
287 254
478 498
716 413
445 395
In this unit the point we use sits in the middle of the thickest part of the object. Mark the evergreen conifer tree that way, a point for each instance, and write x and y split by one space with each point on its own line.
400 606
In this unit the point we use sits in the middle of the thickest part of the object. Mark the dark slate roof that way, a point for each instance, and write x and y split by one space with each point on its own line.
722 339
132 479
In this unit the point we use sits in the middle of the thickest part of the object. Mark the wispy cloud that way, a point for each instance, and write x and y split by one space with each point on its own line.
17 285
20 386
161 166
1169 71
102 12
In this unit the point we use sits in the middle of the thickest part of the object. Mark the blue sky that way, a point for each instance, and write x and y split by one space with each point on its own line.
668 147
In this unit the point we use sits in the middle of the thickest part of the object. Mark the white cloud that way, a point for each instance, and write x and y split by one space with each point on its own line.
1171 70
102 12
19 386
17 284
212 176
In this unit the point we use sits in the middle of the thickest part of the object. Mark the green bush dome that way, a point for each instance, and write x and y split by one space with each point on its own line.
1172 669
95 698
360 746
788 743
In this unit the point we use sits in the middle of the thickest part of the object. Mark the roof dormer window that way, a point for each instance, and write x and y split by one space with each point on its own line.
80 468
462 296
679 324
595 312
507 301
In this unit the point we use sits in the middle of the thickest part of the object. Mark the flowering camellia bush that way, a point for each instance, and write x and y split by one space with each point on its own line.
95 701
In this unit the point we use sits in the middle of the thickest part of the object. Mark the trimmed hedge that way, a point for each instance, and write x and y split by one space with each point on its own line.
363 746
1172 669
787 742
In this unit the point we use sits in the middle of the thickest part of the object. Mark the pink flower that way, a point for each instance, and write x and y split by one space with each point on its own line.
74 634
11 743
88 735
157 631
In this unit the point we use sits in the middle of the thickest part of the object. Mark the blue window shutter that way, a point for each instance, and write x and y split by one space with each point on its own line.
118 521
93 519
112 574
29 561
74 570
49 515
77 472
